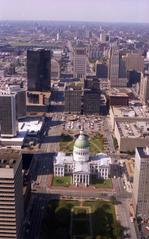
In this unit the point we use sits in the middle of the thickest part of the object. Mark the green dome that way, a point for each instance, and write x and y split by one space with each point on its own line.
82 141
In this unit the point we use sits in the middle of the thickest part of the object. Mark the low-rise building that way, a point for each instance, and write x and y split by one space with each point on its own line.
131 135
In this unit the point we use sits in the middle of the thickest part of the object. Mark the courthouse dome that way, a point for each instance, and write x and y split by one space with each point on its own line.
82 141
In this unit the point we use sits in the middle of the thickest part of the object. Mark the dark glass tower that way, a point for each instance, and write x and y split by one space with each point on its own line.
38 69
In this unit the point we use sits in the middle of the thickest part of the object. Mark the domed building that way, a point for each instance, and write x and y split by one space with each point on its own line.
81 165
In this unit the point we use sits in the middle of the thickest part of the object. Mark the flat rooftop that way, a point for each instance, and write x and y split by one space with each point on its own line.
8 157
28 126
134 129
130 111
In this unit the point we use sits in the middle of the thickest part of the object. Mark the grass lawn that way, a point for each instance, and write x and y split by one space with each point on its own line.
66 143
101 183
80 227
61 181
96 143
104 222
57 220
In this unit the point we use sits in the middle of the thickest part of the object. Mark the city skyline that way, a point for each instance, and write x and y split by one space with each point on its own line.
69 10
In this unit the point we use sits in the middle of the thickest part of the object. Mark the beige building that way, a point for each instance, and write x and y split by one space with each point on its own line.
141 183
55 70
131 135
80 62
134 61
144 88
11 194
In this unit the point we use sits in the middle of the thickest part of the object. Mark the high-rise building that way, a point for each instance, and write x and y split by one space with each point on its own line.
20 98
141 183
134 61
91 101
73 99
8 116
104 37
80 62
91 96
101 70
114 66
38 69
11 194
144 87
55 70
117 69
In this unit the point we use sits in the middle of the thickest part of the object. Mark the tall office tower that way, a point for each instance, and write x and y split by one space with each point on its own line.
79 62
55 70
141 183
8 119
101 70
91 96
73 99
38 69
11 194
117 69
91 101
114 67
144 88
104 37
20 98
135 62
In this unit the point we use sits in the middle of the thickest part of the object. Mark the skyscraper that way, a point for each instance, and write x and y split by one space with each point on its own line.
114 66
141 183
80 62
38 69
8 117
135 62
11 194
117 69
144 87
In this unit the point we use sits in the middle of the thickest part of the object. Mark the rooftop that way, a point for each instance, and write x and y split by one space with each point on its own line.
8 157
133 129
143 152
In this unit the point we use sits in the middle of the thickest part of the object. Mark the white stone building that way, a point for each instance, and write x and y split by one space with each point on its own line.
81 165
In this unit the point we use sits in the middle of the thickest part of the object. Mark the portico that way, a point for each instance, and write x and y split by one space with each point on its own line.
81 178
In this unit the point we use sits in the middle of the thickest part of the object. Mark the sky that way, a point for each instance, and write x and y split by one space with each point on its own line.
76 10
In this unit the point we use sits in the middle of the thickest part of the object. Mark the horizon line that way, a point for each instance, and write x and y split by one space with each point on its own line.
77 21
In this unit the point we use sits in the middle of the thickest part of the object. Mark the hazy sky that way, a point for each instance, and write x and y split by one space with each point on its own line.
86 10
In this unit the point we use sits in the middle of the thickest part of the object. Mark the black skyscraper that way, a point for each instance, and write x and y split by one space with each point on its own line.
38 69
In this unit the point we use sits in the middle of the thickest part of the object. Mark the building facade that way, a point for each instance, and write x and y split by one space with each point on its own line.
8 115
144 88
11 194
141 183
79 62
81 166
38 69
73 99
